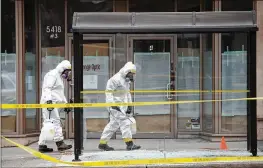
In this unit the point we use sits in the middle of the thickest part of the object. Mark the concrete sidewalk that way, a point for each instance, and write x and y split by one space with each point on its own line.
151 148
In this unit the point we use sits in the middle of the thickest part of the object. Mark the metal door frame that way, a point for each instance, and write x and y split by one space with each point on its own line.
91 37
173 118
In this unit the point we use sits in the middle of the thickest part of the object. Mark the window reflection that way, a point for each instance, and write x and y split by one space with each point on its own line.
8 65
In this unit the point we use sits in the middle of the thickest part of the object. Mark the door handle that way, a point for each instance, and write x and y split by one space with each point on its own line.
168 93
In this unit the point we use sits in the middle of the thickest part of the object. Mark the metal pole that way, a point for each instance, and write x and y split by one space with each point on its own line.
248 93
253 92
81 87
77 90
252 86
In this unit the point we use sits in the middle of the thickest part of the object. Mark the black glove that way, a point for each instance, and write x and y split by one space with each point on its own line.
68 109
50 108
116 108
129 110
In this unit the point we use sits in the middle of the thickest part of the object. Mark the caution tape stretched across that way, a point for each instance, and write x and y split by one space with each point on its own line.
165 91
95 105
137 161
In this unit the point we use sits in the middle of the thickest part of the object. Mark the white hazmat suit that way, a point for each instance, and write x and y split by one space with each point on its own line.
53 89
118 91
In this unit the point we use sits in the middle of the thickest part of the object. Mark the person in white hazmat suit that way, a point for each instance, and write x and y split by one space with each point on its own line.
53 93
119 115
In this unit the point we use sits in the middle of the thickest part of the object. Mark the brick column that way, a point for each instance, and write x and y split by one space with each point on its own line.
259 11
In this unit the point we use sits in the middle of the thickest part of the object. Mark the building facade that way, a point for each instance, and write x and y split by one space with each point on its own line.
37 34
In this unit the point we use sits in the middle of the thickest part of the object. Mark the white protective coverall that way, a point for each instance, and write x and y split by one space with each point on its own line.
53 89
119 119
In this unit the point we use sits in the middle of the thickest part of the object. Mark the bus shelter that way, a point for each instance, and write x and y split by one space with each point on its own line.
161 23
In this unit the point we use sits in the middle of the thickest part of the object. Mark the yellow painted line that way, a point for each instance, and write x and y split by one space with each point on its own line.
117 163
165 91
95 105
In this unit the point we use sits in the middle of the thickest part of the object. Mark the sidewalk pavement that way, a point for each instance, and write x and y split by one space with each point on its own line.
151 148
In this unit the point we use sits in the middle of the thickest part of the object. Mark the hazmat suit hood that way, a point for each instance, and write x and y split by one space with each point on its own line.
128 67
61 67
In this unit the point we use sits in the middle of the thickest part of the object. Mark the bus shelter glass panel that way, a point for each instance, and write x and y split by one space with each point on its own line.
234 77
96 71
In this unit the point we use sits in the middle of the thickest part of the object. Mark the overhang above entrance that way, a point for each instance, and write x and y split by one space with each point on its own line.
163 22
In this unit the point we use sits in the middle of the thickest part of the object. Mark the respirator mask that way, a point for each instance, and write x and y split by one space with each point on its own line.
130 77
66 74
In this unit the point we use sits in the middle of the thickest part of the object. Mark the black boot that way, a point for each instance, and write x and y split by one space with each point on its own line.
105 147
132 146
62 146
44 149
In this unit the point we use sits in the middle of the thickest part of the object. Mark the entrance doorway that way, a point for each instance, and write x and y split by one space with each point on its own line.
154 57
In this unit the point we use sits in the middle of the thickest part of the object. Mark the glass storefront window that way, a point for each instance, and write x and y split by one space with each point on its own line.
188 5
52 15
30 64
206 5
234 77
207 76
8 65
87 6
237 5
151 6
187 78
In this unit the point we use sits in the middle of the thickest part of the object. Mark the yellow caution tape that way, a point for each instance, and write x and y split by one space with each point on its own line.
165 91
95 105
137 161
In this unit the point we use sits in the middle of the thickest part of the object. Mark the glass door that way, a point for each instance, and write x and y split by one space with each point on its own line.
153 56
97 69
